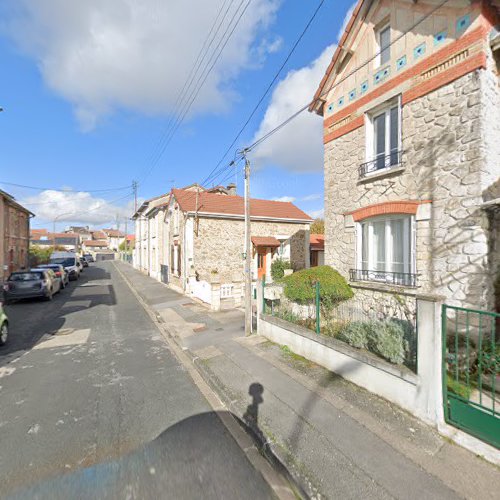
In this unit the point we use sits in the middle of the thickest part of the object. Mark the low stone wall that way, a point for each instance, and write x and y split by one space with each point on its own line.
420 394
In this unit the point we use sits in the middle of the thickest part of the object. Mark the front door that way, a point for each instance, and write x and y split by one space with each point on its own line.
261 262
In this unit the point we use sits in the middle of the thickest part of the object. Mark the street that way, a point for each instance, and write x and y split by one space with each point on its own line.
93 404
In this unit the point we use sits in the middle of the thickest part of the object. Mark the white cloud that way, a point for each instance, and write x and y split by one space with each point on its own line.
285 198
299 145
134 54
317 214
312 197
76 207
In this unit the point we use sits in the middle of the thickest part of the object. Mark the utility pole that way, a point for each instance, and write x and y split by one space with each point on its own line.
134 189
248 252
126 237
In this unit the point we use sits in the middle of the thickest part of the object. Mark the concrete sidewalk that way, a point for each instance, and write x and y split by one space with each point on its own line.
335 438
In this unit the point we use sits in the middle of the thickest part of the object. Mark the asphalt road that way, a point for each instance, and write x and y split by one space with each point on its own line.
93 404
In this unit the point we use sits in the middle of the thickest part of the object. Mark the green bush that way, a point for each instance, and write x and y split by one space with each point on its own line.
387 340
300 286
384 338
278 268
356 334
458 388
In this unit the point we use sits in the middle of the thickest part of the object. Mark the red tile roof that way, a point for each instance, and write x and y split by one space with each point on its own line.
317 241
265 241
130 237
114 233
95 243
211 203
98 235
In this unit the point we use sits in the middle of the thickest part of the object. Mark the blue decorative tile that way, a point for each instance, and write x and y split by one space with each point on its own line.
401 63
419 51
341 101
364 86
463 23
330 108
381 74
439 38
352 95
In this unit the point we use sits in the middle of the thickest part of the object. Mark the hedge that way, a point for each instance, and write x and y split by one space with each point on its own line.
278 268
300 286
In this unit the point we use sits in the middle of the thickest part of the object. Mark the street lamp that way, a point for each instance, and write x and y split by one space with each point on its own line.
54 227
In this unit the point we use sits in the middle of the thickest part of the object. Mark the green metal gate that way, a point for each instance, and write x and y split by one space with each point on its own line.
471 371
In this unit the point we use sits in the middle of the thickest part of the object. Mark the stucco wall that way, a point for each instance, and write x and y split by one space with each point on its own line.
444 161
219 244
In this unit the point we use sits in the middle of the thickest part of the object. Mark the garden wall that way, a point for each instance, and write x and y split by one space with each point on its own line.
420 394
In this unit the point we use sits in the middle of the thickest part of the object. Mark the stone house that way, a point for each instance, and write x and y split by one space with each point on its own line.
411 108
115 238
14 235
151 249
206 242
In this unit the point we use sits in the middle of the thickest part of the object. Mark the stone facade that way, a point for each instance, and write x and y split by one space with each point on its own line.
219 245
445 147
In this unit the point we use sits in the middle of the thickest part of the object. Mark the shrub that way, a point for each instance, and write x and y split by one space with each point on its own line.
384 338
356 334
300 286
387 340
278 268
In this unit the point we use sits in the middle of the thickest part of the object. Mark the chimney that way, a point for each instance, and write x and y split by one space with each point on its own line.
231 189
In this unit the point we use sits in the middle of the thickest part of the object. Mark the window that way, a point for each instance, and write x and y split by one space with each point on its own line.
383 138
385 250
384 45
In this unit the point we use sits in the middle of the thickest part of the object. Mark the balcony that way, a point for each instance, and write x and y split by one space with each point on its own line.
381 163
387 277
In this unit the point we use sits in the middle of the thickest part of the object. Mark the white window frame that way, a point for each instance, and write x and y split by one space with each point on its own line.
226 291
386 107
409 241
378 35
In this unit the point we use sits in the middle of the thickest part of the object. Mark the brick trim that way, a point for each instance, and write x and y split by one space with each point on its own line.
387 207
477 61
439 56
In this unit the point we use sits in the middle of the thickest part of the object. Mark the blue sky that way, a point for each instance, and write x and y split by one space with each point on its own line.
88 93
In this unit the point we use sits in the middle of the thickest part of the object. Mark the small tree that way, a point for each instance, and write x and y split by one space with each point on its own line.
278 268
318 226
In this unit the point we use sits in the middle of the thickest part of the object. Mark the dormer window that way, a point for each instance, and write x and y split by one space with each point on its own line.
384 45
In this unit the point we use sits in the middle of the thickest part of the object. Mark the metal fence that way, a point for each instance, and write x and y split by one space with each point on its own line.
471 371
384 324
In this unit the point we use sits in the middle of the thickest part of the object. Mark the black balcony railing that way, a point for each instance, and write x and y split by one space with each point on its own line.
392 160
391 278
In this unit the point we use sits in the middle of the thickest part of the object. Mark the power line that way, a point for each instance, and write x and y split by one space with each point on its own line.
299 111
256 107
197 64
37 188
202 79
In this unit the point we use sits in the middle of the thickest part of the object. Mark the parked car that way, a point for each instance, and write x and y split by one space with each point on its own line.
31 284
88 257
69 261
4 326
84 262
59 271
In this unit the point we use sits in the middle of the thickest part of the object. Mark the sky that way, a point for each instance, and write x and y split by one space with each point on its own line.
90 91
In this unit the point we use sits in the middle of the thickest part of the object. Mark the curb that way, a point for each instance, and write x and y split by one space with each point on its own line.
282 482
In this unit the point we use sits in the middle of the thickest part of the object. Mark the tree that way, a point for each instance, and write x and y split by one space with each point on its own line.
318 226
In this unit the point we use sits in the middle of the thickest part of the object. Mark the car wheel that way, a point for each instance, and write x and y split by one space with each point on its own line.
4 333
49 296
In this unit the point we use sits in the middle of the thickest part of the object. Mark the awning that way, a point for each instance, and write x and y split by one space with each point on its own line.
265 241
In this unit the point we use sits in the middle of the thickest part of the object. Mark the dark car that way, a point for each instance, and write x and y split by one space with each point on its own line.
59 271
84 262
31 284
88 257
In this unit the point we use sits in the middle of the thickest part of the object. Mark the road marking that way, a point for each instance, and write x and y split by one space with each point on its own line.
77 337
5 371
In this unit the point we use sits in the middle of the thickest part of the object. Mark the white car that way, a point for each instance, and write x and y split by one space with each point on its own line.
70 261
